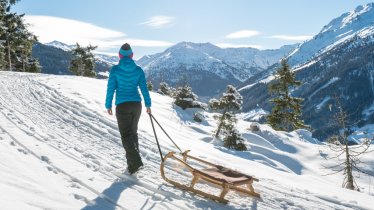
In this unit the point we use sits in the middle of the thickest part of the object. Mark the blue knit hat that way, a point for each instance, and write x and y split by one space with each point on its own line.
125 50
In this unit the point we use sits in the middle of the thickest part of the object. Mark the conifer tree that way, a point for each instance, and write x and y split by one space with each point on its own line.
15 40
164 89
234 140
83 62
149 85
286 112
184 97
230 101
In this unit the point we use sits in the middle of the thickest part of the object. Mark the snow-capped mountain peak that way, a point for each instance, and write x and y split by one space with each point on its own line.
100 57
356 22
359 11
60 45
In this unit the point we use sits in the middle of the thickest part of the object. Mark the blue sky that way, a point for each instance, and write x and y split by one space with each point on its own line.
151 26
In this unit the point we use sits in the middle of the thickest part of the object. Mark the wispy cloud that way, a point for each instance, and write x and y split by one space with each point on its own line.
227 45
242 34
147 43
291 38
159 21
69 31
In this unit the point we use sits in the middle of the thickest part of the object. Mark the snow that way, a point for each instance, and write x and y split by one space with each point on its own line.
60 45
362 134
105 74
246 87
267 79
253 115
331 81
239 63
323 102
60 150
346 27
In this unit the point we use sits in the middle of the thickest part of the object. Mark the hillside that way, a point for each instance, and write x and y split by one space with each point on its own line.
339 30
55 59
60 150
344 69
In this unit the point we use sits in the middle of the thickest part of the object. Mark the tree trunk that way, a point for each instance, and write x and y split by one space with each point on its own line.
350 184
23 64
9 58
220 123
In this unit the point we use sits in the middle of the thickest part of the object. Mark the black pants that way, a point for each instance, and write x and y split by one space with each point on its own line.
128 115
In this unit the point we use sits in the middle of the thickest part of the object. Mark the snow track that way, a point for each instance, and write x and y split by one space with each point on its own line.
83 146
67 127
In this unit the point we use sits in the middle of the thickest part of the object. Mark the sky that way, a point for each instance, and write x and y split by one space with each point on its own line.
151 26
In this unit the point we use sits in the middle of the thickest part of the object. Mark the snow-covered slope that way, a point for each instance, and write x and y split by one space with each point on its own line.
60 150
60 45
357 22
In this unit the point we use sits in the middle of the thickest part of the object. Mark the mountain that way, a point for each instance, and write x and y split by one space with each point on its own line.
337 31
59 149
55 59
343 68
209 69
102 58
60 45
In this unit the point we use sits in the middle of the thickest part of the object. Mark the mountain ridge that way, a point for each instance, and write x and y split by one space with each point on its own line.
208 62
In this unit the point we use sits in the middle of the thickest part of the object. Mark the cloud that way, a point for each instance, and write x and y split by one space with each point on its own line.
69 31
147 43
159 21
242 34
227 45
291 38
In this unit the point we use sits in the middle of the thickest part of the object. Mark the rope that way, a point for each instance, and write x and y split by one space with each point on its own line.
158 144
164 131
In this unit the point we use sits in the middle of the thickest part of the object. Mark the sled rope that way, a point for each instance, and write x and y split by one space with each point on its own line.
158 144
154 131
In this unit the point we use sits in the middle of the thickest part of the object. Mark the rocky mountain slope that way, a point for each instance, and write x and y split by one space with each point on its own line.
342 68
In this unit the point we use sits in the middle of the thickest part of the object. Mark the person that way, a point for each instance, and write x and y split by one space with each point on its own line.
124 80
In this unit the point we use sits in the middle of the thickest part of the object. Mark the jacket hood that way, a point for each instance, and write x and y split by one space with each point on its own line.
127 64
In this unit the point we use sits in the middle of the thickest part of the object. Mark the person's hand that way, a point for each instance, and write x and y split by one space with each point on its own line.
149 110
110 112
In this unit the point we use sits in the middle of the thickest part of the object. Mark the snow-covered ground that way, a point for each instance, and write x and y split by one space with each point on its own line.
60 150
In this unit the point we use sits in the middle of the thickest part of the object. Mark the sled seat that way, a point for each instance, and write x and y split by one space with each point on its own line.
220 176
225 175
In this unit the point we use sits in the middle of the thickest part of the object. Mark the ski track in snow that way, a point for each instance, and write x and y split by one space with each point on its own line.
52 112
89 140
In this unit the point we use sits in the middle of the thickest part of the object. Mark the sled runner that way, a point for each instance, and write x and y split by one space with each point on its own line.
216 175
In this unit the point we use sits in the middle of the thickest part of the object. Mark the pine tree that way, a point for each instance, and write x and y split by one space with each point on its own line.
149 85
234 140
83 62
229 102
3 63
16 40
164 89
286 112
184 97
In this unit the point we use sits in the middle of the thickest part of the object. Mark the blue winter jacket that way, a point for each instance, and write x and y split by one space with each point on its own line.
124 79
